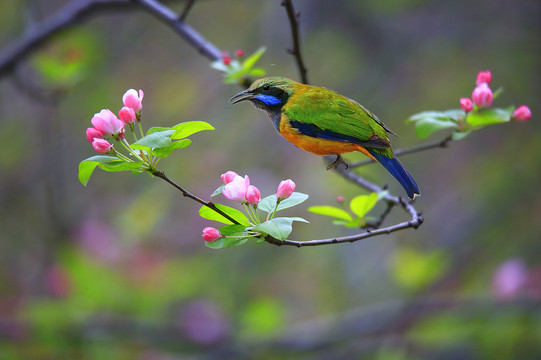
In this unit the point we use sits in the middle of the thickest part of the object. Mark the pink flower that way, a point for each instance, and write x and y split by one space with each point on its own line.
93 133
102 146
253 196
229 176
340 199
133 100
127 115
509 279
466 104
236 189
483 77
285 189
107 122
522 113
226 60
482 95
239 53
211 234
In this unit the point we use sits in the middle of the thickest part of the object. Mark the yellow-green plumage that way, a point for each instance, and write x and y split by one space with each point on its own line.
324 122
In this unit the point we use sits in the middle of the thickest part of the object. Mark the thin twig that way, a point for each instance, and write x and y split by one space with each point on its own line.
186 10
438 144
296 50
187 194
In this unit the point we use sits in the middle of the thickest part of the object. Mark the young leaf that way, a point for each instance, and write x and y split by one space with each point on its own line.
279 228
166 151
188 128
489 117
86 167
362 204
428 122
252 59
218 191
155 140
226 242
207 213
120 165
331 211
157 129
268 203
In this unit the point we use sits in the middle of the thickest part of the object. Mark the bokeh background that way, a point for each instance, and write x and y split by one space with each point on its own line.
118 269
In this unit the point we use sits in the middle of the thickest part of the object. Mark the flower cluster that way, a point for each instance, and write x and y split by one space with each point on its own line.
238 188
108 125
226 58
483 97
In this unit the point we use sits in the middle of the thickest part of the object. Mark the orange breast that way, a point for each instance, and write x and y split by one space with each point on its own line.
316 145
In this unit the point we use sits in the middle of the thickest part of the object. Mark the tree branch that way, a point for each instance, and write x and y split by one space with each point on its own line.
296 50
438 144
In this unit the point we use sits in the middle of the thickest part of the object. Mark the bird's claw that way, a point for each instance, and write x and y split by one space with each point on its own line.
337 162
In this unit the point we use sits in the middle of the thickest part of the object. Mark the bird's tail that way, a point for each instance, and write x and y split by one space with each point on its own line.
395 167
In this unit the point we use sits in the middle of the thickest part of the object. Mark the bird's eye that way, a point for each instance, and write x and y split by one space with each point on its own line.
266 87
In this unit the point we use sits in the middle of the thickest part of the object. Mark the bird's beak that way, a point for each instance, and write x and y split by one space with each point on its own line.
245 95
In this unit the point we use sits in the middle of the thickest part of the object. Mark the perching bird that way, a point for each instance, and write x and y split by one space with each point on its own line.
324 122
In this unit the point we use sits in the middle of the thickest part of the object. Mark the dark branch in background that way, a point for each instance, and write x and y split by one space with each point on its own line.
296 50
187 7
438 144
37 34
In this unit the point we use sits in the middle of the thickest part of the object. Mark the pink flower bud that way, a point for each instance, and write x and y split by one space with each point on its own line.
466 104
102 146
107 122
509 279
522 113
253 196
340 199
229 176
236 189
93 133
127 115
226 60
239 53
211 234
482 95
133 100
483 77
285 189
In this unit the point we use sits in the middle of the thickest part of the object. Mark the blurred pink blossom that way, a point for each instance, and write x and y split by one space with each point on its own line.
133 100
127 115
211 234
482 95
522 113
229 176
509 279
107 122
466 104
285 189
483 77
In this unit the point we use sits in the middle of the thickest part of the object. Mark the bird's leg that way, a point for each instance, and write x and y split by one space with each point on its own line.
337 162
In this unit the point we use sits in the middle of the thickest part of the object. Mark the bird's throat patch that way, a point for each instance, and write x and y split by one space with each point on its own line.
268 100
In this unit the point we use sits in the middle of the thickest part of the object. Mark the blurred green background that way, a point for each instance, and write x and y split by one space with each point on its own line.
118 270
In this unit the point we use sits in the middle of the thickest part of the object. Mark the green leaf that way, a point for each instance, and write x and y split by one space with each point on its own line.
155 140
87 166
252 59
207 213
279 228
362 204
120 165
157 129
428 122
459 135
267 204
218 191
188 128
166 151
226 242
487 117
331 211
415 269
257 72
355 223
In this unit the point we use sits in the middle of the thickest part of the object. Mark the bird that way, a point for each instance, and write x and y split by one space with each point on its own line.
323 122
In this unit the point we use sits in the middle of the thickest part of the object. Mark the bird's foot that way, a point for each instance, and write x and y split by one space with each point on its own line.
337 162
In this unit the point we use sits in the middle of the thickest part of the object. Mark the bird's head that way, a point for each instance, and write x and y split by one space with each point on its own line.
269 93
